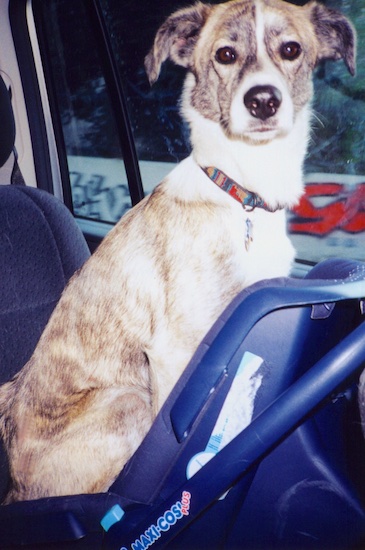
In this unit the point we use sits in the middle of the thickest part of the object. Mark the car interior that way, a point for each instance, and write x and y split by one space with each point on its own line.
289 474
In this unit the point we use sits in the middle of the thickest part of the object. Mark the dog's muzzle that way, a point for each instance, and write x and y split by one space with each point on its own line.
263 102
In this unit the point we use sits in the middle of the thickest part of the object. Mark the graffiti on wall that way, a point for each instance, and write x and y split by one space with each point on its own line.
344 209
94 198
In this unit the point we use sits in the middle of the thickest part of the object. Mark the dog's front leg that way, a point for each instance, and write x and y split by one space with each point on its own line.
166 366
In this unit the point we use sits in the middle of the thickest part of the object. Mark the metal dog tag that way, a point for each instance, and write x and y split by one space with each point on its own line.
248 236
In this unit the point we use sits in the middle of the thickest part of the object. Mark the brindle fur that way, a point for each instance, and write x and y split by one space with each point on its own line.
130 319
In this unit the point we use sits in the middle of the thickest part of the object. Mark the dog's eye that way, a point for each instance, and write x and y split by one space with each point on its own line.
290 51
225 55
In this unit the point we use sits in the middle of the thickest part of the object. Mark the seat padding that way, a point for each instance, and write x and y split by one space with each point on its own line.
41 247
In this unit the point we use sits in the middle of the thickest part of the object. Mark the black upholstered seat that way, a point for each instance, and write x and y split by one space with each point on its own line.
41 247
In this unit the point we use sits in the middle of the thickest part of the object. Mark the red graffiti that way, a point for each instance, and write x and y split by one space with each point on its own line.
346 212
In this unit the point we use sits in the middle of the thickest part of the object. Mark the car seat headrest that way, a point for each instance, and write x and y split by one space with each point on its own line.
338 268
7 134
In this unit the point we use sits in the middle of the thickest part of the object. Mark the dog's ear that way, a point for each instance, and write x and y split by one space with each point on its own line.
176 39
336 36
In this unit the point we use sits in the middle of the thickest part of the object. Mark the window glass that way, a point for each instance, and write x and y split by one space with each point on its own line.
330 219
97 173
160 133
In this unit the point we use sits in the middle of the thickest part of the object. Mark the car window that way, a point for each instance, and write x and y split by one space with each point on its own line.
330 218
76 76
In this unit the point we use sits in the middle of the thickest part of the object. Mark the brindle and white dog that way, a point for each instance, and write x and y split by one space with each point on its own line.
130 320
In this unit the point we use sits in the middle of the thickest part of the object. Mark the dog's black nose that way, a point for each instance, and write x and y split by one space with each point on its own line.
262 101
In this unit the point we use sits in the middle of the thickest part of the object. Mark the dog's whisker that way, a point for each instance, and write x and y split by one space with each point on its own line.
319 118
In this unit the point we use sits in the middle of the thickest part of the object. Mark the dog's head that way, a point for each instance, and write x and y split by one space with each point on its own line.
252 60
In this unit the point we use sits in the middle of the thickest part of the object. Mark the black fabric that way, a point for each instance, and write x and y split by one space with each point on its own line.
7 134
338 269
40 248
